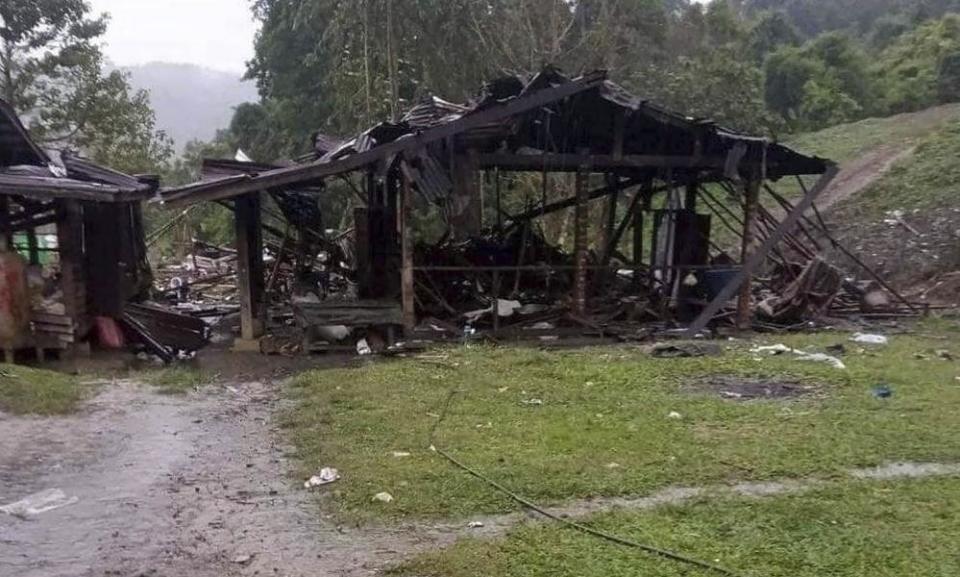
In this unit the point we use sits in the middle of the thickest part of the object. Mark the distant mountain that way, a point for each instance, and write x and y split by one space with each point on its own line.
191 102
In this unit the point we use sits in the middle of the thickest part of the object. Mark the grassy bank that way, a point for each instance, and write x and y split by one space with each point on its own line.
177 380
556 426
32 391
851 530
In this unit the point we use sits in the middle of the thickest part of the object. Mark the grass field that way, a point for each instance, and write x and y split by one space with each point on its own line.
177 380
847 141
889 529
32 391
556 426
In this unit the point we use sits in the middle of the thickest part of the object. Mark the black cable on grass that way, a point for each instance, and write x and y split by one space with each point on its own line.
655 551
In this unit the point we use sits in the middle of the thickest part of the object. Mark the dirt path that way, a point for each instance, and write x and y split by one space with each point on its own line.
169 487
857 175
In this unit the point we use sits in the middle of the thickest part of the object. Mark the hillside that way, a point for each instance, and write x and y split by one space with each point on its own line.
191 102
895 202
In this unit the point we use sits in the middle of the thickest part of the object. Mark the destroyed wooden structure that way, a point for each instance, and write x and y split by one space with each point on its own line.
80 227
653 169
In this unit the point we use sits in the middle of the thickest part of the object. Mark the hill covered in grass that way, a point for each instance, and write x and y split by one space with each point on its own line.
897 199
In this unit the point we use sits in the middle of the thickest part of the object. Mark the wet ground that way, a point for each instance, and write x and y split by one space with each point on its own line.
169 486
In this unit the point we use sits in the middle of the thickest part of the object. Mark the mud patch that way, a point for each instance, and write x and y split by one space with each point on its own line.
746 389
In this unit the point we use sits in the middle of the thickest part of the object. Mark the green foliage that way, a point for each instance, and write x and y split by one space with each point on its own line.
920 68
52 72
825 82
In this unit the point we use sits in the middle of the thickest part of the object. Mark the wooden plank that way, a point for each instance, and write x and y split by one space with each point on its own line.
559 162
572 201
407 288
580 231
249 264
361 313
236 186
759 255
750 204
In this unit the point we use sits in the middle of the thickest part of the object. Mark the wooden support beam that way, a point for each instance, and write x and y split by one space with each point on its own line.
750 213
238 185
72 267
572 201
646 195
249 246
464 206
758 256
580 231
407 287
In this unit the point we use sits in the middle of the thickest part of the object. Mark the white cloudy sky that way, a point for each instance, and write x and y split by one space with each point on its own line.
212 33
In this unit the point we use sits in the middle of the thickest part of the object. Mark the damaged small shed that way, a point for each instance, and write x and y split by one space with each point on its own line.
80 228
654 245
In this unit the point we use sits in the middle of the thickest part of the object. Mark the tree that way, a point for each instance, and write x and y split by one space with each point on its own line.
52 73
769 32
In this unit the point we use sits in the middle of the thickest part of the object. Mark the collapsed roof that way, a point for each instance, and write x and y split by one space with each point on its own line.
27 170
547 123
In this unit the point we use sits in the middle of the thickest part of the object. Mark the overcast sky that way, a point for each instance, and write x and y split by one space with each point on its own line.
212 33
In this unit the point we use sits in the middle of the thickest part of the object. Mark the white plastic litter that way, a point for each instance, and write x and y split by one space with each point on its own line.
39 503
532 402
675 415
383 497
363 348
327 475
801 355
401 454
475 524
506 308
867 339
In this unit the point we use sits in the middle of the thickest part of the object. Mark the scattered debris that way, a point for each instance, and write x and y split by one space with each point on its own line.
780 349
363 348
747 389
383 497
882 392
39 503
532 402
674 415
243 559
475 525
400 454
685 350
868 339
327 475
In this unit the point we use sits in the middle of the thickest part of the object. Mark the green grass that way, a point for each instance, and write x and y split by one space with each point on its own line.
928 181
847 141
851 530
606 406
178 380
32 391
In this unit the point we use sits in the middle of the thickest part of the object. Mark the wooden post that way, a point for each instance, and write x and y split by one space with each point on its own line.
464 204
407 288
33 249
249 264
759 255
750 210
690 200
580 232
640 207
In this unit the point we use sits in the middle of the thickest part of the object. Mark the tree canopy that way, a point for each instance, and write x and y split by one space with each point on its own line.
52 72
